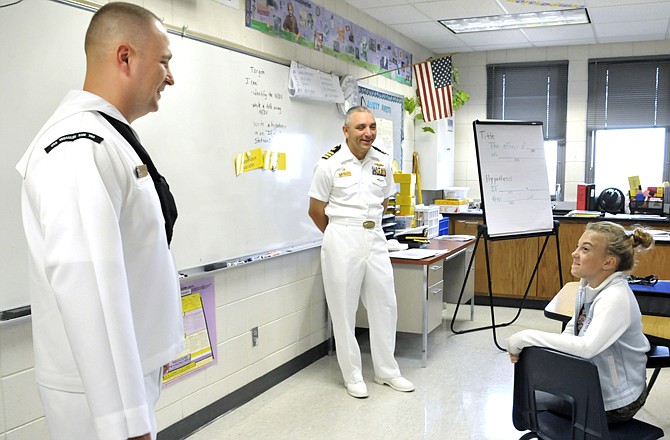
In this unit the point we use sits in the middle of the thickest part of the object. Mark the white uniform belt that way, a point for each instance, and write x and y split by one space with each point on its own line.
356 222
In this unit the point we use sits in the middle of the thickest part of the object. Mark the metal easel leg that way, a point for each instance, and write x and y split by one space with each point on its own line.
465 281
493 326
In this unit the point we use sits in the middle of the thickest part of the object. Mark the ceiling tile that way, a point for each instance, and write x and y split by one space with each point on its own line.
513 7
575 42
655 30
501 46
600 3
612 21
445 9
427 29
512 36
560 33
365 4
397 14
624 14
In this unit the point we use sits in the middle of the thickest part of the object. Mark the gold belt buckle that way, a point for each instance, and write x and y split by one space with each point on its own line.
368 224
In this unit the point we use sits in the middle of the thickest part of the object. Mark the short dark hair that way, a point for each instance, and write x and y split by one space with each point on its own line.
355 109
114 16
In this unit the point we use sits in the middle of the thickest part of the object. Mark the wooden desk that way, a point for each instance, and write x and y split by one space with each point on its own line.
561 308
419 287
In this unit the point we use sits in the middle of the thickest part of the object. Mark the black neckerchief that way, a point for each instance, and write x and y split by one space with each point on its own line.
168 205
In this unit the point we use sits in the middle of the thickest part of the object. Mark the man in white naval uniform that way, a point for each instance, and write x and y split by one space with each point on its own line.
106 310
348 196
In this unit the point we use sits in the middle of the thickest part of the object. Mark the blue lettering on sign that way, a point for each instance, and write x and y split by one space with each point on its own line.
373 105
386 109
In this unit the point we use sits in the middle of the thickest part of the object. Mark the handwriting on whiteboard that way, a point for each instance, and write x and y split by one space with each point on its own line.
507 160
267 105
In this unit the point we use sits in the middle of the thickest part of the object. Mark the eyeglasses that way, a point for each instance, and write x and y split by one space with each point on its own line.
649 280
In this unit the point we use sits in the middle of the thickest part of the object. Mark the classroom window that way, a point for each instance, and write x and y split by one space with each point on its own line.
534 92
551 157
614 163
628 121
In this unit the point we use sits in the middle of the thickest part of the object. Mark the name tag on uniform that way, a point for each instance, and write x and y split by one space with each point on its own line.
141 171
344 173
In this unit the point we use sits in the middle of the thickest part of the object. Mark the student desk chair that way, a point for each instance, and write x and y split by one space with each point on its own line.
558 397
654 305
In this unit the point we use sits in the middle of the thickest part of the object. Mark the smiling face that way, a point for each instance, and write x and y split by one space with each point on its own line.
591 261
152 70
127 58
360 131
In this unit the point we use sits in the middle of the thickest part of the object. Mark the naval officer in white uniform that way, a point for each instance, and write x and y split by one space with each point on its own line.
348 196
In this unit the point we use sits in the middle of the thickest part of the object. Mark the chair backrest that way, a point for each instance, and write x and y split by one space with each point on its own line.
575 382
568 377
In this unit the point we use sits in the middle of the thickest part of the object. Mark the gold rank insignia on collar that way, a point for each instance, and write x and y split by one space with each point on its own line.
141 171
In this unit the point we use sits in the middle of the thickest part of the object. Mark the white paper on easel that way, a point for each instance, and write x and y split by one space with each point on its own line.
308 83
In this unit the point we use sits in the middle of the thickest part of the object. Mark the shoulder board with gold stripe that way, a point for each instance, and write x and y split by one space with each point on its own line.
378 150
331 152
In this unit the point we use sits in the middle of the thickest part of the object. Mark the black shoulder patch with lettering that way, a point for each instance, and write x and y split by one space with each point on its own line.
73 137
331 152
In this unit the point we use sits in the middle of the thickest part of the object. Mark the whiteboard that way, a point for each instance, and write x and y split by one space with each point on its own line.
223 103
513 177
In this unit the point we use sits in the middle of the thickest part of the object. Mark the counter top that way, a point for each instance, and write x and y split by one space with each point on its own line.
560 215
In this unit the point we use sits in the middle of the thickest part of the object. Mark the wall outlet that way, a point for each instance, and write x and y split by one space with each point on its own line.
254 336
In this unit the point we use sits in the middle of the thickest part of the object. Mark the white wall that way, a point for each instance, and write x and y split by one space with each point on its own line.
472 70
282 296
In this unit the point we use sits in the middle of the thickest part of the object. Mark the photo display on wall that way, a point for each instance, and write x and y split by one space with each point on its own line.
314 26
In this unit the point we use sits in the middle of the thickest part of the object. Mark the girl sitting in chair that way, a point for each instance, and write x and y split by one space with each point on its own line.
607 325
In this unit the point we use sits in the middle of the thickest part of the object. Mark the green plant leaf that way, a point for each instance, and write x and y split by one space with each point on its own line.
410 105
427 129
460 97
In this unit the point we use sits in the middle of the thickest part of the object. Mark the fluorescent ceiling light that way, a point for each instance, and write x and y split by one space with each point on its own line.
517 21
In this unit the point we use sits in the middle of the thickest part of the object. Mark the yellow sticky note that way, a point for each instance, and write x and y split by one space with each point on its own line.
634 184
281 161
274 160
253 159
249 160
239 162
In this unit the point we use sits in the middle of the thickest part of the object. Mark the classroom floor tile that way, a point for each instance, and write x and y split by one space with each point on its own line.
464 393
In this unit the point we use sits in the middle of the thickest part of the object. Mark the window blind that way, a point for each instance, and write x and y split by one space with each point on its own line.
630 93
530 92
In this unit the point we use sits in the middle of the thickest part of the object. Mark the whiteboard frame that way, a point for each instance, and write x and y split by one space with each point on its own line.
546 221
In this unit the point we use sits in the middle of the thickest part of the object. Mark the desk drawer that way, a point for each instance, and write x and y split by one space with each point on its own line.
435 272
436 289
435 294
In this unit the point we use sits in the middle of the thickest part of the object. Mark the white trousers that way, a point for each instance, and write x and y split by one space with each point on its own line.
69 417
355 264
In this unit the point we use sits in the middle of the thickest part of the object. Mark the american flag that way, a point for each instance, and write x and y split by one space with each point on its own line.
434 81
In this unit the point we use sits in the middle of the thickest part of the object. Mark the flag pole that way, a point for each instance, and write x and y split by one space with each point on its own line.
403 67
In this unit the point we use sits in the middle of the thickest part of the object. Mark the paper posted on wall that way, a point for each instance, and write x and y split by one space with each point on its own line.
308 83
